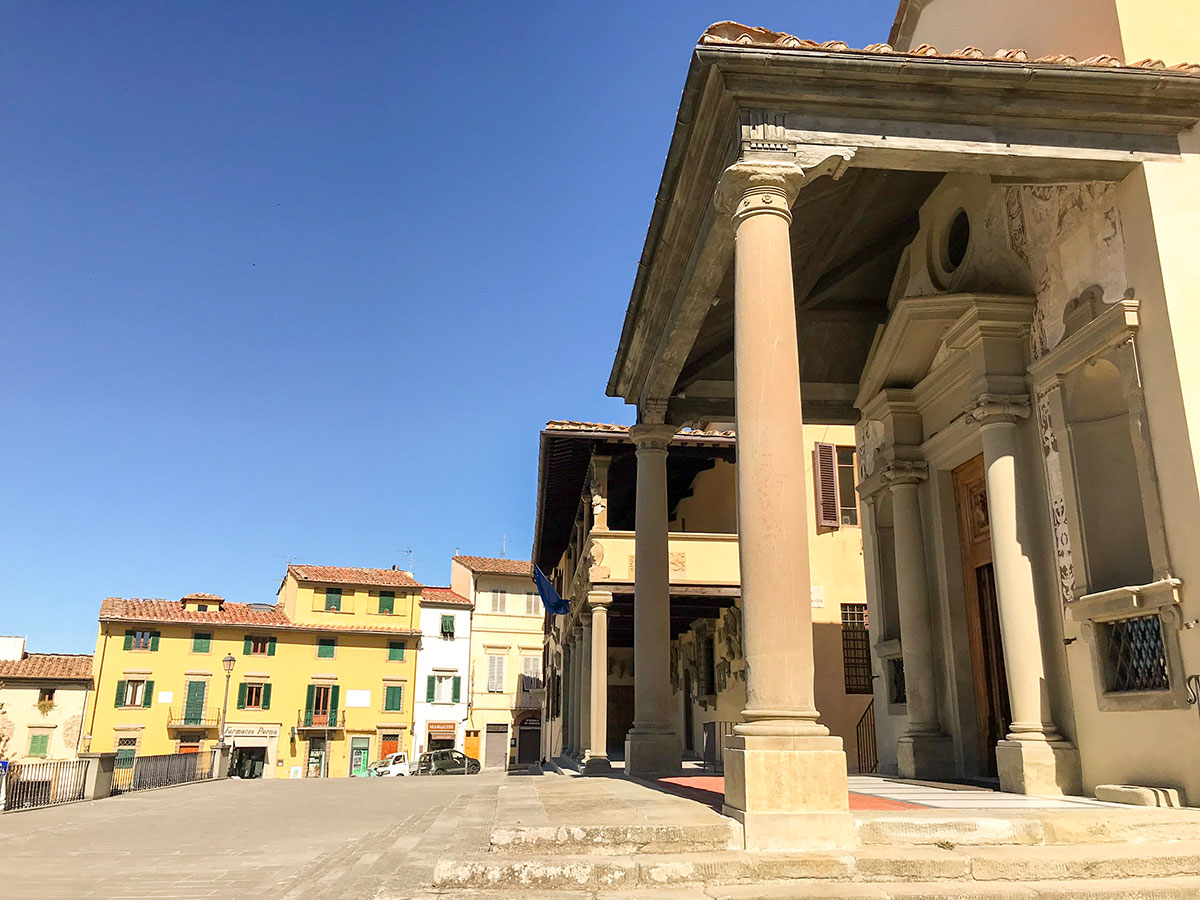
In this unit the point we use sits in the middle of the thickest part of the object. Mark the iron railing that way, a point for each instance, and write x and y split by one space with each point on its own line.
29 785
308 718
530 690
202 717
714 744
868 750
143 773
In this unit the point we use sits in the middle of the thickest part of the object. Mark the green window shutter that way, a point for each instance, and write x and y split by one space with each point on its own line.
266 703
391 698
396 650
247 645
120 694
387 601
271 646
333 704
448 626
38 744
325 648
430 689
201 642
154 640
242 695
129 639
456 688
309 698
333 599
147 695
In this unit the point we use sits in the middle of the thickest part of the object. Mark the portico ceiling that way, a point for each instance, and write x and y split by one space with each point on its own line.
906 120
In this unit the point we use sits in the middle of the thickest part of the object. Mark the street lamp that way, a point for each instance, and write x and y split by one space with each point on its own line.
228 663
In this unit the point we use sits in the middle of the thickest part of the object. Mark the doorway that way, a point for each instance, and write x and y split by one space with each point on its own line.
496 746
688 714
529 740
360 749
193 707
316 758
248 762
983 617
620 718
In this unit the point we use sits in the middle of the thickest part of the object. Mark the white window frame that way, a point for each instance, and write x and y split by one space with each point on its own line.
499 600
495 673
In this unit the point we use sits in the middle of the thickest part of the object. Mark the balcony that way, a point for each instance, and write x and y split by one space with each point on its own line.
695 558
196 718
530 692
319 720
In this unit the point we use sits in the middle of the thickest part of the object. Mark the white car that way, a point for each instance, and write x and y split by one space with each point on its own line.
393 765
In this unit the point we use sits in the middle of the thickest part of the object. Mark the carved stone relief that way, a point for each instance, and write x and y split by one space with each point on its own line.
1058 505
678 563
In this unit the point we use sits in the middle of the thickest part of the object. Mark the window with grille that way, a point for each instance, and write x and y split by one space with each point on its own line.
1136 659
495 681
856 648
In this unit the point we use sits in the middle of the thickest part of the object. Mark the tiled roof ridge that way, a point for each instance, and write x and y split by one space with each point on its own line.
734 33
68 655
439 595
495 565
48 666
353 575
231 614
572 425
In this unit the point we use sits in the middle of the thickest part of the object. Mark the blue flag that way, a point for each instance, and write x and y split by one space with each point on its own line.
550 599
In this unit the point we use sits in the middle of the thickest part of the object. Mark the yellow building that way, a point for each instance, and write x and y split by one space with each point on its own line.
504 723
321 681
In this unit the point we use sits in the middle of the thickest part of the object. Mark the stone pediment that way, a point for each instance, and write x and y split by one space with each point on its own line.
925 334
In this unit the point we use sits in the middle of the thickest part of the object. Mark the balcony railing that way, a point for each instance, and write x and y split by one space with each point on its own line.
192 717
310 718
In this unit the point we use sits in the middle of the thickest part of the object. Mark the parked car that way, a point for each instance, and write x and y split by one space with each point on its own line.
392 765
447 762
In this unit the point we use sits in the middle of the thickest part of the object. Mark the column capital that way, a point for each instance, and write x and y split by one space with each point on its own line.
599 599
904 471
770 186
652 437
990 409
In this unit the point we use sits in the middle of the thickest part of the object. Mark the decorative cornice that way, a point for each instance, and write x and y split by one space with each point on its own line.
904 471
771 186
990 409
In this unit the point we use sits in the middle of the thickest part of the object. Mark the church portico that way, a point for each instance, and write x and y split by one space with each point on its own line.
889 246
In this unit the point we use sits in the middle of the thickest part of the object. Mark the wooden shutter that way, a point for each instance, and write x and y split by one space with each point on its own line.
242 695
120 693
333 705
154 640
266 696
430 689
147 694
201 642
247 645
456 688
128 639
825 480
387 601
309 698
271 646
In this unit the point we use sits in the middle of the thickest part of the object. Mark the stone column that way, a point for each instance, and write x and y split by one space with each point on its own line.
1033 758
585 684
567 687
923 751
596 759
576 692
652 744
785 775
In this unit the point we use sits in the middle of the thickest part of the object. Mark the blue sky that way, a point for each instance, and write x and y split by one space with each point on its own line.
304 280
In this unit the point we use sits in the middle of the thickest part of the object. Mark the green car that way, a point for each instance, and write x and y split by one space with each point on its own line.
447 762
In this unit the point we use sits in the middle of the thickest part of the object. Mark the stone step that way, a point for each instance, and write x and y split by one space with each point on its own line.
976 827
1184 888
963 865
617 840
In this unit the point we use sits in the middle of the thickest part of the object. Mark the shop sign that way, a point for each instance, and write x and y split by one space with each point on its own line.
442 728
267 731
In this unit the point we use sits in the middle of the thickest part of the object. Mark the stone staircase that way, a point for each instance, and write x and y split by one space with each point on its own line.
1093 854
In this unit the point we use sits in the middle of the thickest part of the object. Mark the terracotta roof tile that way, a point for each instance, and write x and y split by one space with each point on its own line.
444 596
734 33
48 667
607 428
257 615
216 597
490 565
344 575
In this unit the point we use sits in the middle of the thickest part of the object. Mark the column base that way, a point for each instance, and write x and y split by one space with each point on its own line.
1039 767
594 764
789 793
925 756
650 753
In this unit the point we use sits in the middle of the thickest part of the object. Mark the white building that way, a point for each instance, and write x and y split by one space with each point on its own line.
442 668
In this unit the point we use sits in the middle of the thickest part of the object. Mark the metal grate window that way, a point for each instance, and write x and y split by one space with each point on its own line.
897 692
856 648
1137 660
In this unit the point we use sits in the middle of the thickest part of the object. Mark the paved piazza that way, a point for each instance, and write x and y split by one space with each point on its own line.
269 840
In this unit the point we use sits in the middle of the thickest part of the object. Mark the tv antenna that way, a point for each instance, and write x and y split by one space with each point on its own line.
504 545
409 552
